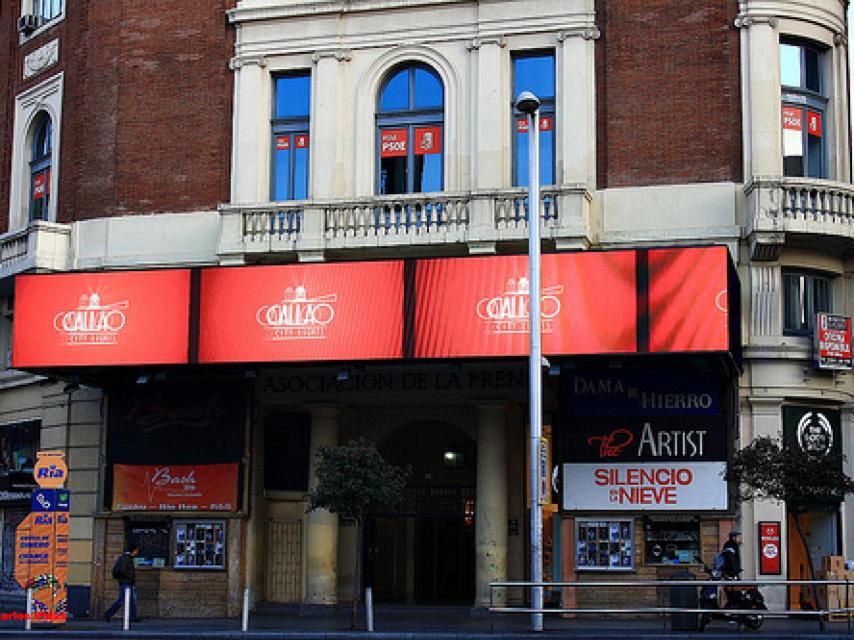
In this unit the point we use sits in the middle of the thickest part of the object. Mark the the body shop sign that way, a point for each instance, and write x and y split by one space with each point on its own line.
832 341
655 463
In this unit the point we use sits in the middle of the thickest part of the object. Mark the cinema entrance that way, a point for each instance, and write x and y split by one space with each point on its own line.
423 553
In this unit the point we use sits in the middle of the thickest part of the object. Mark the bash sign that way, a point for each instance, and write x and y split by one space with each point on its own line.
201 487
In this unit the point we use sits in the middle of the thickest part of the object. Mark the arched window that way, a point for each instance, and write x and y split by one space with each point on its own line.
40 161
410 131
804 99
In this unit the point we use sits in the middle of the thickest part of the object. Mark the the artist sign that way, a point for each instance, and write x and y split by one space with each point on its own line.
663 463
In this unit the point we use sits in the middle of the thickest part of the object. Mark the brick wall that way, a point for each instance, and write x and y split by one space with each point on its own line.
668 92
147 110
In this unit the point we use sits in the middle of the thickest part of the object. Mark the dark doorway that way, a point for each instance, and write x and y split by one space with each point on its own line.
423 552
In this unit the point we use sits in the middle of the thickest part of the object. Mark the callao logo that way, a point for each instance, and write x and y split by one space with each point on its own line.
92 322
297 316
508 312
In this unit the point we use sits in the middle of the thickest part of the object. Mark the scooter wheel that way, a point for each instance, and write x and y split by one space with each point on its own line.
753 622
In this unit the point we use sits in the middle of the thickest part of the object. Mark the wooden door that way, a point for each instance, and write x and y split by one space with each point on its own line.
284 561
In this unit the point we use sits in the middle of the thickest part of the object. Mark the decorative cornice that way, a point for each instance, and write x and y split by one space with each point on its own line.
341 55
238 62
477 43
840 39
588 33
743 21
42 58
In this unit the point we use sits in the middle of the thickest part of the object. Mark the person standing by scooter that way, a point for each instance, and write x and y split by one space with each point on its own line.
731 553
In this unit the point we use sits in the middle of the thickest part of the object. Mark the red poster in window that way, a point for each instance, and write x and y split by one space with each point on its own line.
688 299
428 140
116 318
792 119
38 186
291 313
301 141
770 549
547 123
169 487
283 143
478 307
814 123
393 142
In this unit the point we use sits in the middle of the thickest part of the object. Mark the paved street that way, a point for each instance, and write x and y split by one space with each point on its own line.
421 623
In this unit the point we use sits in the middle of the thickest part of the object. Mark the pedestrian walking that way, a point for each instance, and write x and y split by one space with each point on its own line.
124 571
731 553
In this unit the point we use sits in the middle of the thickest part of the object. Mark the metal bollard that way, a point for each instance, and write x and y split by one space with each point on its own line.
28 621
245 626
369 608
126 618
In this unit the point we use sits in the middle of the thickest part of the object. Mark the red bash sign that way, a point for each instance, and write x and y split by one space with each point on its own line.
116 318
200 487
769 548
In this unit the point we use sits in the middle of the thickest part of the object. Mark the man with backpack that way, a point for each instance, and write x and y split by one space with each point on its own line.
124 570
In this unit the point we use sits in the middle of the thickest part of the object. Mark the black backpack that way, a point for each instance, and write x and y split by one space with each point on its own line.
118 566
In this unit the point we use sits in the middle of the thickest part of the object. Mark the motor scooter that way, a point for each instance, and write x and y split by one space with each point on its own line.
734 597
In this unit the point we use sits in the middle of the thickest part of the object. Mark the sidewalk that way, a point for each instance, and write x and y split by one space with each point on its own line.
418 623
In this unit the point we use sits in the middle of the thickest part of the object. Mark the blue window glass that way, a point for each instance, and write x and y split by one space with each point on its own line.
410 131
804 105
534 73
40 166
290 137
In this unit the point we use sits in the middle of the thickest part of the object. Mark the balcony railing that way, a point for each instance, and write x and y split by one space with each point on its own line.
477 219
41 245
780 206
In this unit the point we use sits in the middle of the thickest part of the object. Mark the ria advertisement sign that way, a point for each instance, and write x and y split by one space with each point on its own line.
346 311
116 318
480 306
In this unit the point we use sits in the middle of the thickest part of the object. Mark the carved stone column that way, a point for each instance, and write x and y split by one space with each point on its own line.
329 132
492 114
249 180
576 107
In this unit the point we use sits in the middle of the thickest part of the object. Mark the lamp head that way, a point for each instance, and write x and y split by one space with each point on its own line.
527 102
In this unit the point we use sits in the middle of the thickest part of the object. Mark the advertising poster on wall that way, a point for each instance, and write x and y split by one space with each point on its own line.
769 548
832 341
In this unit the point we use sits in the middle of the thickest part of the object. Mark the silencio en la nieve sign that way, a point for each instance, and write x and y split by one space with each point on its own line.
656 300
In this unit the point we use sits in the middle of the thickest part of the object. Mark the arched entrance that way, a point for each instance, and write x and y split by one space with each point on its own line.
424 553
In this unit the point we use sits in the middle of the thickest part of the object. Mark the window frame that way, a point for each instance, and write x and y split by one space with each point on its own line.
33 7
409 118
806 100
290 126
40 164
547 110
808 295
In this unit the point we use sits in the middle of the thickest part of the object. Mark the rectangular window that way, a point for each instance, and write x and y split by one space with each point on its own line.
46 10
152 538
672 540
604 545
804 105
290 137
199 544
535 73
286 453
804 295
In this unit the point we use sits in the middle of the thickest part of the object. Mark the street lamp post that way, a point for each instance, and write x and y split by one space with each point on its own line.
529 104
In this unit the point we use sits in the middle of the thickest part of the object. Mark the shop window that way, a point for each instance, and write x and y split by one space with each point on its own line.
804 295
804 103
290 127
18 445
604 545
410 131
152 538
672 540
286 442
40 165
535 73
200 544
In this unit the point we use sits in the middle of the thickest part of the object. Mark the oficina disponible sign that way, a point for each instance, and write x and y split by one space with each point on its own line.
832 341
